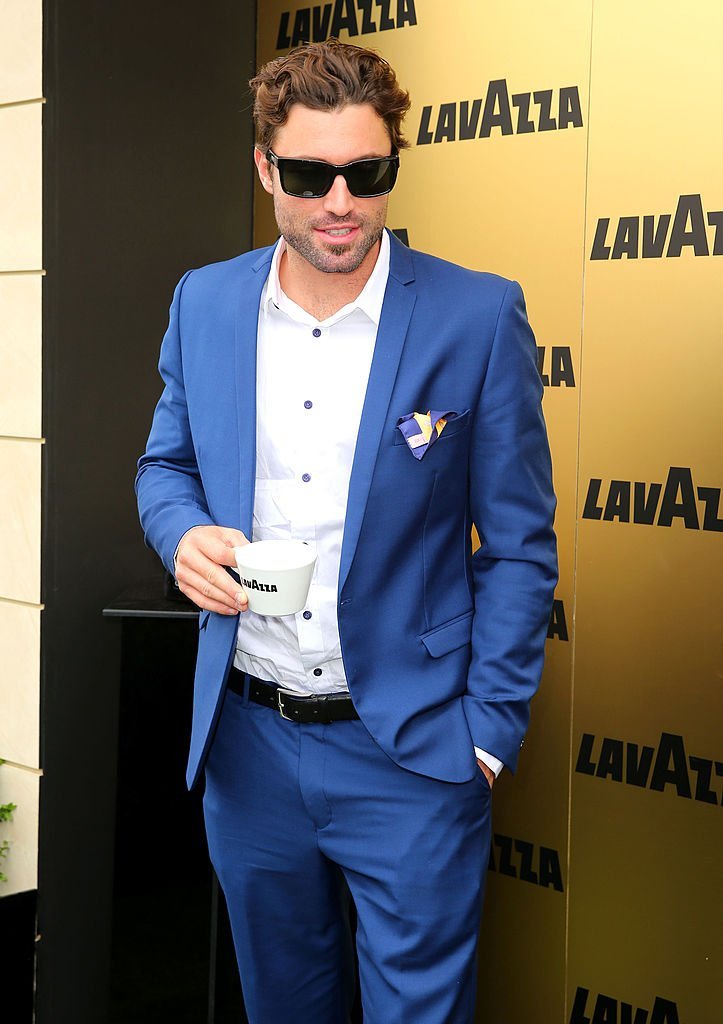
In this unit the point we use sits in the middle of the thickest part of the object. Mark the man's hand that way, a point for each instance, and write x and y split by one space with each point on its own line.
202 555
488 773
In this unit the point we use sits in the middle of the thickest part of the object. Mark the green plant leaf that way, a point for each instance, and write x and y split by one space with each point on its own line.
6 811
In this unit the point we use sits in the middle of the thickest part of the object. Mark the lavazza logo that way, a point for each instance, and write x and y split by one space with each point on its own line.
357 17
517 858
655 503
654 236
268 588
557 626
667 766
555 366
602 1009
517 113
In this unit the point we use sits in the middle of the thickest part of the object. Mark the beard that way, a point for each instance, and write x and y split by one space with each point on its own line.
342 258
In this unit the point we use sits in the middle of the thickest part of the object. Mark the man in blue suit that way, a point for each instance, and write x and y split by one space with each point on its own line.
342 389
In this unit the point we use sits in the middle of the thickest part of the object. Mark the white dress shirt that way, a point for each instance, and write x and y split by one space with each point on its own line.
311 381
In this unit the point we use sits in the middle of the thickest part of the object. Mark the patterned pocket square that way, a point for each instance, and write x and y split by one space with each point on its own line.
421 430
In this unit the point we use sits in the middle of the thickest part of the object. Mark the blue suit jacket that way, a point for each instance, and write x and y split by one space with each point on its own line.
442 649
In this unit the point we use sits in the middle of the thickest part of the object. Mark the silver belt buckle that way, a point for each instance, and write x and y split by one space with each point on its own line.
280 694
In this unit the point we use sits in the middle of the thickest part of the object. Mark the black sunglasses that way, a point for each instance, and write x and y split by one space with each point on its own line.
312 179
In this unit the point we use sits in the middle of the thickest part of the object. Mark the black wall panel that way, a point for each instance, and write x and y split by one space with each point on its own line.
147 172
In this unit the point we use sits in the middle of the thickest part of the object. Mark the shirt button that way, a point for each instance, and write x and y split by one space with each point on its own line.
316 332
308 404
307 615
317 671
306 477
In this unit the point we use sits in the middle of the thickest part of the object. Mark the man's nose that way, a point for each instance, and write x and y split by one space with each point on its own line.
338 199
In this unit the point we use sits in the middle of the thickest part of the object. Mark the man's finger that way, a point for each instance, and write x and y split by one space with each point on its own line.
212 584
212 587
208 605
231 539
218 548
206 553
236 537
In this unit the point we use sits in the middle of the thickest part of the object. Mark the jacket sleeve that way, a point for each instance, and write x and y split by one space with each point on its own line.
515 569
168 484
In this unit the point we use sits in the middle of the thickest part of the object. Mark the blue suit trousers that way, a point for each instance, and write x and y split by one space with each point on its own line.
298 817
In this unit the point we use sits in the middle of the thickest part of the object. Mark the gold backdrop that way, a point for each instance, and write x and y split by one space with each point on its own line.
576 147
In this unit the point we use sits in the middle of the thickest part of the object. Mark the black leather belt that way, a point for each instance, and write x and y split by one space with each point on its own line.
322 708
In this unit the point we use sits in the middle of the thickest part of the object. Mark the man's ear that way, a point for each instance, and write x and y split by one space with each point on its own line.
264 169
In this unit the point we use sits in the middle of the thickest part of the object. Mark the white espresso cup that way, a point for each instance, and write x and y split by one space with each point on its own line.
276 575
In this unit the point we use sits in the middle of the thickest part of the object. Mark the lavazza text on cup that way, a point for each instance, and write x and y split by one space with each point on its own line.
276 575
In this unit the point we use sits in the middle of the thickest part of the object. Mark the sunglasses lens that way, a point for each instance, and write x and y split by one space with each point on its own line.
305 178
371 177
311 179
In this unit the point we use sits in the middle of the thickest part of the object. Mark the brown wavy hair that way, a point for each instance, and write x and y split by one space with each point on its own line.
327 76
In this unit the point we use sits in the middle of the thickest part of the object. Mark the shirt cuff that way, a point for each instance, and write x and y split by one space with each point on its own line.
492 762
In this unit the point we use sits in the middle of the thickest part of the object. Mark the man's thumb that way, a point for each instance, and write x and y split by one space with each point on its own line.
233 539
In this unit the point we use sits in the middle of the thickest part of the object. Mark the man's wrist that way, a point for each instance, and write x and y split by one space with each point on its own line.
178 546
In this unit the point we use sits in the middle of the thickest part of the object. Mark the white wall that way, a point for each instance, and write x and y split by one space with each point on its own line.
21 440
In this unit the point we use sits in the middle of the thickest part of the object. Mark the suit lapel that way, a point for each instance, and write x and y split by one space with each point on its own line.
246 335
399 302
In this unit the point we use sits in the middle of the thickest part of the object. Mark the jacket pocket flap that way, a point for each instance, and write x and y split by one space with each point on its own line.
449 636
